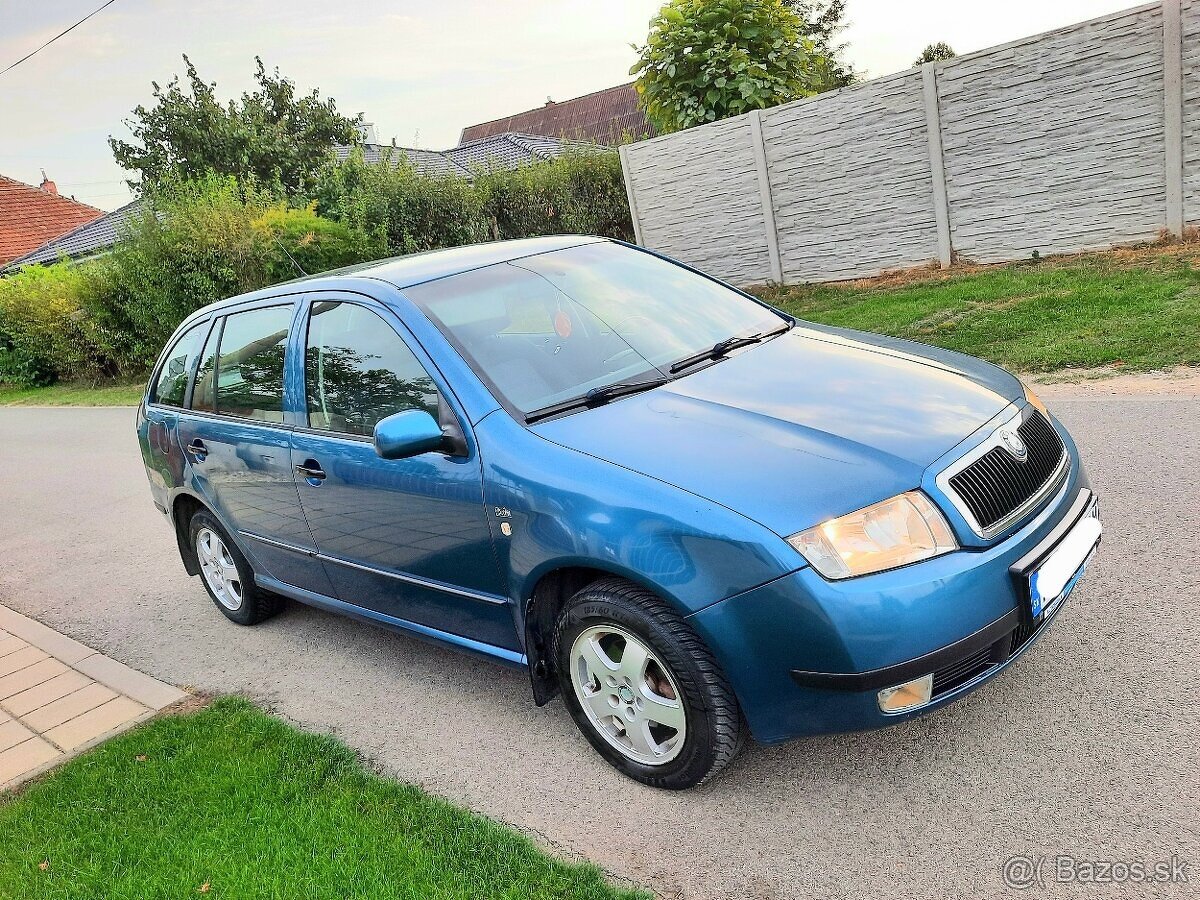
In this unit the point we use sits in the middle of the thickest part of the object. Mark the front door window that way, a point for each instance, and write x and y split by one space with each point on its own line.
357 371
407 538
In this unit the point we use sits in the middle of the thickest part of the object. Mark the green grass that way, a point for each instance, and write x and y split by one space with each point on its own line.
72 395
1135 310
233 799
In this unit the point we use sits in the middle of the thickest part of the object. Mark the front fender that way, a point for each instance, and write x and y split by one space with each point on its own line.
564 509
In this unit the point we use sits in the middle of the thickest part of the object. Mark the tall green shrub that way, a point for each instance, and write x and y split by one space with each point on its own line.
45 330
300 242
204 241
196 243
409 212
577 193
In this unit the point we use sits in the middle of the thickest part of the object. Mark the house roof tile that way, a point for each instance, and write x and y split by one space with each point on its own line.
30 216
91 237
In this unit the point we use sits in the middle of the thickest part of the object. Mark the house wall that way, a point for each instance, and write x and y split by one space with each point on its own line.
1080 138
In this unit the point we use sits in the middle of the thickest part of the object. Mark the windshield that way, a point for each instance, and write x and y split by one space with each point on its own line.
550 328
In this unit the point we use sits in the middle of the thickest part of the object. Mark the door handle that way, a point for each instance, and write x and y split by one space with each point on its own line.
197 450
312 471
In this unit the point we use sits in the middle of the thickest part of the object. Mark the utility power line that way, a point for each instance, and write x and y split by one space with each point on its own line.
37 50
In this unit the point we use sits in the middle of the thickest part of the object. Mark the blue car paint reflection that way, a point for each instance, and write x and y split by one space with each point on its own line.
689 489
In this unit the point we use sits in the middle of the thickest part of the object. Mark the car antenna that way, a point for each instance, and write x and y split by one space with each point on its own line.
289 256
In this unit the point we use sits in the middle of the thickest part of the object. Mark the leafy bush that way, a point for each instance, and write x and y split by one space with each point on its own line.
44 327
577 193
408 211
706 60
201 241
302 243
208 240
196 243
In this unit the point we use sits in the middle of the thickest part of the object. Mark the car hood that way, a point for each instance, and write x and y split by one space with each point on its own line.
815 423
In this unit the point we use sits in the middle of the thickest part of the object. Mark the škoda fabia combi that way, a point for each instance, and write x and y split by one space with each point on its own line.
691 515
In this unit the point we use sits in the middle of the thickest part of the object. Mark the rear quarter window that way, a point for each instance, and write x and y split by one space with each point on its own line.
170 388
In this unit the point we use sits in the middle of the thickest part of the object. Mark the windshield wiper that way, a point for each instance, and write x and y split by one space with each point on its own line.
720 348
597 396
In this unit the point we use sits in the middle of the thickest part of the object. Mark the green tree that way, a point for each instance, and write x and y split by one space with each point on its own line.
824 21
706 60
271 135
935 52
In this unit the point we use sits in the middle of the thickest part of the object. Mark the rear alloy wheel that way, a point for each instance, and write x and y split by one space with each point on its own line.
219 570
643 688
227 575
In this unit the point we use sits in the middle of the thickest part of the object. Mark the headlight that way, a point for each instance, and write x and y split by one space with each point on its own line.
1034 400
905 529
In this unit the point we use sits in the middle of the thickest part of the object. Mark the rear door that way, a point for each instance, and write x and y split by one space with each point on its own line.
237 442
161 450
407 538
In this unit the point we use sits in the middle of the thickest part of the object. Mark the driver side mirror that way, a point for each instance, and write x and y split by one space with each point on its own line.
408 433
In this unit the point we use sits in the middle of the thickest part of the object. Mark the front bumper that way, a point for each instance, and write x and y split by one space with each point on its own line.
807 656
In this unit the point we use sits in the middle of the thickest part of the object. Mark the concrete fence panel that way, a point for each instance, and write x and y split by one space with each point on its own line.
1190 97
1055 143
850 179
698 199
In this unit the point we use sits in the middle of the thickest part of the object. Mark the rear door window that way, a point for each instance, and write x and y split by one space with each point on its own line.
171 387
243 375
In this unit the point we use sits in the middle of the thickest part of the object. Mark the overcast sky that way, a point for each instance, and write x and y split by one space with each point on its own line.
421 71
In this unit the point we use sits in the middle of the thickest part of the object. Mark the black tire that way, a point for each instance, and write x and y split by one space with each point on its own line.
256 604
715 729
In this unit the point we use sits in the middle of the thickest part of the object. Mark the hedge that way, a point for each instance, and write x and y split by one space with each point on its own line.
199 242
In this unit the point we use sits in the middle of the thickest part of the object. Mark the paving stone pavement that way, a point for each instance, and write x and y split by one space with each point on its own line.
59 697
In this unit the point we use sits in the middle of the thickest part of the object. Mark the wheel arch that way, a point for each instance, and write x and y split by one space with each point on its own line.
183 507
553 585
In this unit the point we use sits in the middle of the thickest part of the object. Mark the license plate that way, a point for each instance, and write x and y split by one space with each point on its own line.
1056 575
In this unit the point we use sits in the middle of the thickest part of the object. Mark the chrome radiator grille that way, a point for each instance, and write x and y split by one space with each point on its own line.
1001 484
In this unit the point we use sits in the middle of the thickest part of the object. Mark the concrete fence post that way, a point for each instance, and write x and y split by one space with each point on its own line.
933 128
1172 36
627 172
764 193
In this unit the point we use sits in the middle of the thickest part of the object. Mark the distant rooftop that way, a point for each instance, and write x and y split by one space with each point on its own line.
601 117
30 216
92 237
499 151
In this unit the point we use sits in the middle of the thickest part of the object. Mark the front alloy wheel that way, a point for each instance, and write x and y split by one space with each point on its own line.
628 695
644 689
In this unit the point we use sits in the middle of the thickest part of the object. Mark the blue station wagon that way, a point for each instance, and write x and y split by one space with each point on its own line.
695 517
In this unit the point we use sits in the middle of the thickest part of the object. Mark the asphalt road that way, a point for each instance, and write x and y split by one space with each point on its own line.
1087 747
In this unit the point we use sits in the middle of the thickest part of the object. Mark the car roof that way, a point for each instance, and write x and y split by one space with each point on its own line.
416 268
